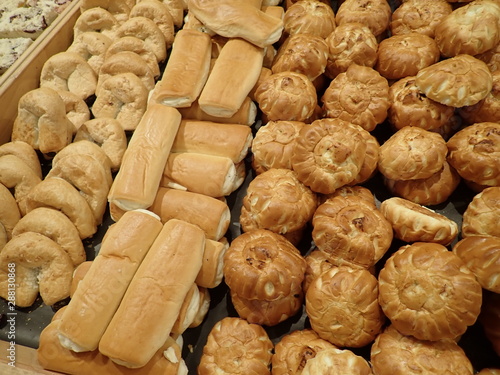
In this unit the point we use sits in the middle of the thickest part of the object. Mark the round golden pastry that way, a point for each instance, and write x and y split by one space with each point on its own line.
412 153
119 9
360 95
375 14
482 215
404 55
395 354
328 154
318 262
491 58
427 292
235 338
342 306
109 135
419 16
474 152
158 12
482 255
96 19
352 231
342 361
370 162
350 190
350 43
77 110
276 200
471 29
294 349
263 265
489 317
309 17
122 97
286 96
56 226
429 191
24 152
447 130
42 266
41 121
92 46
59 194
9 213
410 107
458 81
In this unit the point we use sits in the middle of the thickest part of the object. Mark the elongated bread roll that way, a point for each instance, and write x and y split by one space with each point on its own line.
99 293
186 71
137 182
233 76
245 115
211 271
151 305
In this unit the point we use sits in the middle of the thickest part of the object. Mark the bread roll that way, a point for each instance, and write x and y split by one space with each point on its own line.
375 14
78 275
245 115
92 46
331 360
212 268
188 311
9 212
25 152
310 17
482 215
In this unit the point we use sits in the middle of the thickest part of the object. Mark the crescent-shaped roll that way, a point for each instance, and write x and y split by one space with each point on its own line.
92 46
25 152
158 12
212 268
9 213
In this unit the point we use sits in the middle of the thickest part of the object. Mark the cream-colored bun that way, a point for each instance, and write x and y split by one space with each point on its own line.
342 306
376 14
272 145
123 97
203 308
370 162
486 110
77 110
120 10
302 53
276 200
188 311
420 16
96 19
92 46
309 17
108 134
459 81
474 153
471 29
9 213
360 95
410 107
263 265
482 255
328 154
332 360
287 96
42 266
404 55
24 152
56 226
59 194
428 292
294 349
393 353
352 231
482 215
232 338
15 174
427 191
212 268
413 222
350 43
412 153
78 275
41 121
489 317
158 12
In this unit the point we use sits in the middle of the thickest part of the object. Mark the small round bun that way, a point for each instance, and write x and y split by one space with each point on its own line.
486 110
309 17
331 361
375 14
419 16
482 215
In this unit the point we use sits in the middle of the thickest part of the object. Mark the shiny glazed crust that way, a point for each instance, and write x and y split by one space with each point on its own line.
376 14
421 16
309 17
482 215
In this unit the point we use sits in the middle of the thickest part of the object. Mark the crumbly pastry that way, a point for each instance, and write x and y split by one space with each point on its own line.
352 231
482 255
412 153
24 152
276 200
96 19
489 317
410 107
77 110
471 29
309 17
328 154
428 292
9 214
482 215
294 349
158 12
287 96
332 361
393 353
404 55
459 81
350 43
474 152
342 306
234 347
375 14
360 95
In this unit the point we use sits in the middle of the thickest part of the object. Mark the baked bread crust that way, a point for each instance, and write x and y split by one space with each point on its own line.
489 317
482 215
487 109
332 360
9 214
376 14
421 16
92 46
309 17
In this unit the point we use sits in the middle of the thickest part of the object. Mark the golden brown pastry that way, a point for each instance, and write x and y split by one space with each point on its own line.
360 95
330 361
370 162
487 109
350 190
92 46
276 200
427 292
375 14
309 17
482 214
458 81
235 338
412 153
342 306
395 354
351 231
158 12
77 110
489 317
491 58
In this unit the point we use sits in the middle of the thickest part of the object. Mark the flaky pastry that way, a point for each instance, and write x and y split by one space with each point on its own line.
309 17
421 16
482 215
487 109
375 14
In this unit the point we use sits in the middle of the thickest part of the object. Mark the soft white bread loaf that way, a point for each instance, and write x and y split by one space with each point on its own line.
212 268
245 115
